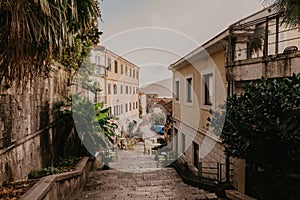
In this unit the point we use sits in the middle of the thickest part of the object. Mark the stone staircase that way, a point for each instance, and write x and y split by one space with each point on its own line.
135 175
160 184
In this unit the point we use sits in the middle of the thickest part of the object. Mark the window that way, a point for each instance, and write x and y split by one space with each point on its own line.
177 90
109 64
116 66
126 107
96 59
115 89
126 89
110 111
130 72
109 88
133 105
183 142
208 88
122 69
121 109
116 112
189 82
130 90
137 74
129 106
126 70
136 105
133 74
121 89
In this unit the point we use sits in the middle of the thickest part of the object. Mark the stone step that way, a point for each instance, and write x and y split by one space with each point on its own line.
140 179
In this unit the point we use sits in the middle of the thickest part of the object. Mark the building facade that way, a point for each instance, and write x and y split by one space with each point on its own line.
119 83
260 45
257 46
199 85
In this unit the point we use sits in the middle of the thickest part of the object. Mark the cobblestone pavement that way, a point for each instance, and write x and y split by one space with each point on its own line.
148 183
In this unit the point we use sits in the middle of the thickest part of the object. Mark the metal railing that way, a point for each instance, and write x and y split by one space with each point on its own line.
261 38
213 171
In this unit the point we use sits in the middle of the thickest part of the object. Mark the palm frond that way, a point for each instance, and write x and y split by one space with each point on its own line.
32 31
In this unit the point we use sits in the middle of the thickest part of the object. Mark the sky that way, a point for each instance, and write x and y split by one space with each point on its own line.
155 33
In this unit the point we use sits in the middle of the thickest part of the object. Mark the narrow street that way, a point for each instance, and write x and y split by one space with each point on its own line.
148 181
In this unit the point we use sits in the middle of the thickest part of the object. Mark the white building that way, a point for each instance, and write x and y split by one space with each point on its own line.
119 82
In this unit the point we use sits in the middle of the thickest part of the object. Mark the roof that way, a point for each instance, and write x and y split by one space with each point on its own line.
202 49
102 48
221 36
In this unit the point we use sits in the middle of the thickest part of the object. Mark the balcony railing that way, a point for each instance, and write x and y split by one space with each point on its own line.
100 70
261 38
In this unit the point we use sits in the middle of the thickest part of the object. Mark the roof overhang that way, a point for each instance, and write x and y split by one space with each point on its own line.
211 47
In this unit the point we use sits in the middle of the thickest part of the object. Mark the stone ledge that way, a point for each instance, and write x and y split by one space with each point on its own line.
235 195
59 186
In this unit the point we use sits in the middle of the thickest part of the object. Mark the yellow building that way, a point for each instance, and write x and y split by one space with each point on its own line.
199 84
119 85
254 47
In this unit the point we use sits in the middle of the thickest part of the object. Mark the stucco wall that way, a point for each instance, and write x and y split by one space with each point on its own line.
29 122
191 119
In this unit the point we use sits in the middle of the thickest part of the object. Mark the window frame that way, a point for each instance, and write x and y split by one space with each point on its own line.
187 102
115 89
177 93
108 88
116 66
203 89
108 63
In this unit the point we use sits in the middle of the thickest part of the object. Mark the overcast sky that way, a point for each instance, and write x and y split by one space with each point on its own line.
155 33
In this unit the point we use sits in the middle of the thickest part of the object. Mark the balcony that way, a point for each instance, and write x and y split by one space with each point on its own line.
264 47
100 70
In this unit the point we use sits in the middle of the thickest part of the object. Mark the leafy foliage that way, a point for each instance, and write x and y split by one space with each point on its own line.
158 118
290 10
33 32
94 125
262 125
256 40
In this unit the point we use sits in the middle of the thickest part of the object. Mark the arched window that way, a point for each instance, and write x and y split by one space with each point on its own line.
115 89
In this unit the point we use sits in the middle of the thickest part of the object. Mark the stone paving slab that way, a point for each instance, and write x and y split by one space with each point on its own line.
149 183
113 184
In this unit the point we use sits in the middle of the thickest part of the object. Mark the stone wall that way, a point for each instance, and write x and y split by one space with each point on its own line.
61 186
210 154
29 123
281 65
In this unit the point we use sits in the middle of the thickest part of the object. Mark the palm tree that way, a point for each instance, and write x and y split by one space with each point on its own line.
33 32
290 10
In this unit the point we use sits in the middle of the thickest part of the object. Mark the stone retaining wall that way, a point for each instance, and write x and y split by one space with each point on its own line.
30 124
61 186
